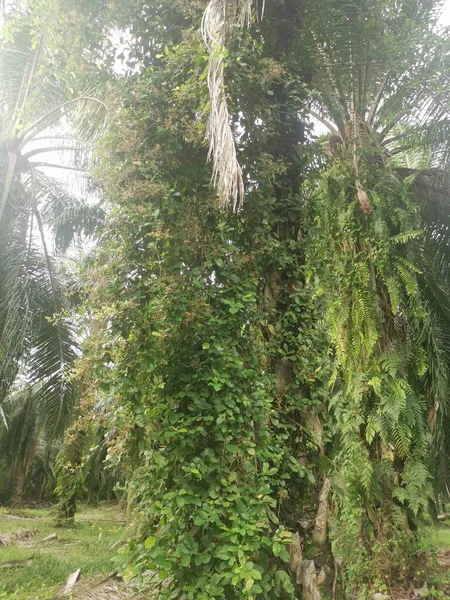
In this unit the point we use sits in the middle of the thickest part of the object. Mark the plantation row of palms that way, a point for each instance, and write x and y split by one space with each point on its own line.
44 132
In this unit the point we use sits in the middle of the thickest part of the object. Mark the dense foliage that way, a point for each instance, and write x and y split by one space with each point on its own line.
273 381
41 216
222 449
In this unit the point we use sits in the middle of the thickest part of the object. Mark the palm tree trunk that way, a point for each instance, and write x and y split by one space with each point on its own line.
21 476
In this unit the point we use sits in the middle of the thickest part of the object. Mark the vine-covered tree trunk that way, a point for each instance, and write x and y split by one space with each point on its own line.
270 371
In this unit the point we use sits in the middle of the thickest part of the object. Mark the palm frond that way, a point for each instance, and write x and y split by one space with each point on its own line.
71 219
218 21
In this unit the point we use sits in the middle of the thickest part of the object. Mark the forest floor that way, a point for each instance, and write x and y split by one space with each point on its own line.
35 568
435 573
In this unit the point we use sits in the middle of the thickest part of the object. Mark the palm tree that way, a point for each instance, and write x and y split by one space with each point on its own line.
378 82
379 75
37 339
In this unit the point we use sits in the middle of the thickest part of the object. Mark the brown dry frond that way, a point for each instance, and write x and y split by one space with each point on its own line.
218 20
19 536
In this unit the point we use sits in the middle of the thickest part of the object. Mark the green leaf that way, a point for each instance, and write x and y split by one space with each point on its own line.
249 583
150 542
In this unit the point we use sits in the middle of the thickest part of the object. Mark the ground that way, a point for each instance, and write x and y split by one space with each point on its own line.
435 573
90 546
43 566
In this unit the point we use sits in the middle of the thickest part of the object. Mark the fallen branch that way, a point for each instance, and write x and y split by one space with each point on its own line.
16 563
112 575
71 581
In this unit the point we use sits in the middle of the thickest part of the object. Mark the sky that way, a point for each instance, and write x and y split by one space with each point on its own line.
445 18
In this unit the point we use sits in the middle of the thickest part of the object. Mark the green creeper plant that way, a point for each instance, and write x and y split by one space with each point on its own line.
219 329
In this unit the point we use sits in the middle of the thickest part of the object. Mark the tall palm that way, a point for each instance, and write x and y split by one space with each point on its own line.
378 79
38 119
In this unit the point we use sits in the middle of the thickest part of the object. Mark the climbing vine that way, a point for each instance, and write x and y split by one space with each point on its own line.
271 374
213 355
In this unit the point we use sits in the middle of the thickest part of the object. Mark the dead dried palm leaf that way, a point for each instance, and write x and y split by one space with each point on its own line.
220 17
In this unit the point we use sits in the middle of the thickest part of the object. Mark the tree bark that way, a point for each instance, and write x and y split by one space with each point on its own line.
304 571
320 529
19 488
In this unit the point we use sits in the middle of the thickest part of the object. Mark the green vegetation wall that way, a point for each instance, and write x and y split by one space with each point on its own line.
213 353
277 376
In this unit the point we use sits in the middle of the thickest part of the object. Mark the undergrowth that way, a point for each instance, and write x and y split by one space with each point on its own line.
89 545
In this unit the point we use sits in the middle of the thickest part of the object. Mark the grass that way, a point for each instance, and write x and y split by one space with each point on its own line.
87 546
435 540
92 544
436 537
